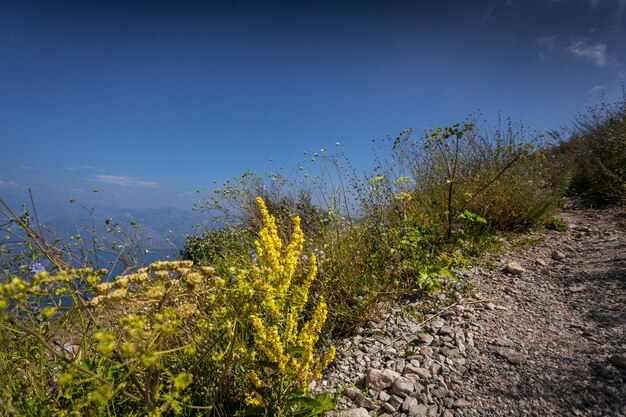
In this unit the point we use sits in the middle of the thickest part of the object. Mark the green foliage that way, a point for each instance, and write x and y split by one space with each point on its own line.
219 248
169 339
429 203
557 223
592 162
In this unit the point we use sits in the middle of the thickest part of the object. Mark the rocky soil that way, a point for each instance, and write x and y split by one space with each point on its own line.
545 335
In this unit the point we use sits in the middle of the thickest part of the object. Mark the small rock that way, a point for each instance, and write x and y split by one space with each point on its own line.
353 393
389 407
541 262
502 341
618 360
425 338
515 268
490 306
461 403
512 356
381 380
446 330
558 256
577 288
403 386
448 413
411 369
363 401
418 410
450 352
440 393
395 401
70 348
355 412
408 403
384 396
423 373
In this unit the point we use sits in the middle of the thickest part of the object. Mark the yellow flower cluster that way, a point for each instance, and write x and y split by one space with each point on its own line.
280 267
279 334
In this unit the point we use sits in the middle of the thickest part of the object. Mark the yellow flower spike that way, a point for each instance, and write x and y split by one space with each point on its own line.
292 253
291 325
310 332
254 399
254 378
268 238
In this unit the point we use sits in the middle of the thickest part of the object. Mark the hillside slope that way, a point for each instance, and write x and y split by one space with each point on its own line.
546 341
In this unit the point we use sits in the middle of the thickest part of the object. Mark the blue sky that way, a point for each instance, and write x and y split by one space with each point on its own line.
149 101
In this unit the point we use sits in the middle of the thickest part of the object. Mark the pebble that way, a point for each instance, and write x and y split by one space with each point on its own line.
515 268
418 410
403 386
512 356
425 338
558 256
618 360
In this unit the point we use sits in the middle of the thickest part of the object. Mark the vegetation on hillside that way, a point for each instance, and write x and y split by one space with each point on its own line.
246 320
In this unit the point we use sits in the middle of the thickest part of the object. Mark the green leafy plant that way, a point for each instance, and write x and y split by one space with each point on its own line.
169 338
557 223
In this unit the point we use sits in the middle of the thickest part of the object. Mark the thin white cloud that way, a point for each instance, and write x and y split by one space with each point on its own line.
78 168
595 52
8 183
125 181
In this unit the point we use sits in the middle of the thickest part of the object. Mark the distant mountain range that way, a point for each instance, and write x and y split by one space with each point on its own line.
156 226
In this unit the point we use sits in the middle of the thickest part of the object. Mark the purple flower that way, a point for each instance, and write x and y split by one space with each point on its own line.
255 259
36 268
232 278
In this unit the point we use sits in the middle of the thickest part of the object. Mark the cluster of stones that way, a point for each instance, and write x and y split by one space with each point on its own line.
399 366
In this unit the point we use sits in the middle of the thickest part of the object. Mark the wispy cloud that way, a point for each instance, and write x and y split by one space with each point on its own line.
548 44
596 90
8 183
125 181
78 168
595 52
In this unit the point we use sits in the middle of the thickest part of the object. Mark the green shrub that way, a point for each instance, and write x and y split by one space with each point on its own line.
169 339
557 223
592 162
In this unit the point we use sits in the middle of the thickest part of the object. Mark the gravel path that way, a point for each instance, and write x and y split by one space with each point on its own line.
544 336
